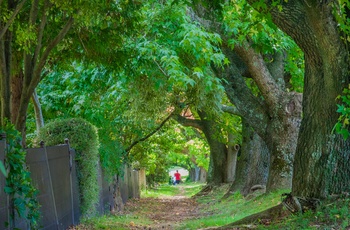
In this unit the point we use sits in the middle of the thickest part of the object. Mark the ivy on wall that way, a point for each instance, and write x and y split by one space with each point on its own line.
19 186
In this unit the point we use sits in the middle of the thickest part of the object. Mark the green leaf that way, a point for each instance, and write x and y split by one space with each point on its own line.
2 169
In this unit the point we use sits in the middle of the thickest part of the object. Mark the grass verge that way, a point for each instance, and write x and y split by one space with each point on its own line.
215 212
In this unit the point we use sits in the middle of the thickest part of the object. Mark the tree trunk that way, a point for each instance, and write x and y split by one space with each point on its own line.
5 65
253 162
322 162
16 90
39 118
202 175
281 140
232 152
118 201
217 172
277 124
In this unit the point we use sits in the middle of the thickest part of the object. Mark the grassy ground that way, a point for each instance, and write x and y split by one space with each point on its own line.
169 207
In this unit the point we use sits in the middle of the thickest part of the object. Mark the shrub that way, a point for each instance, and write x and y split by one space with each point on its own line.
84 139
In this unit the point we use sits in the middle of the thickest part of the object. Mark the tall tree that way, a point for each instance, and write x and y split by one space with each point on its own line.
218 142
321 165
257 81
37 34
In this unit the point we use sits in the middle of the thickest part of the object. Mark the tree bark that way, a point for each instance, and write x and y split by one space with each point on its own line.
5 65
39 118
217 172
232 152
275 120
321 165
253 162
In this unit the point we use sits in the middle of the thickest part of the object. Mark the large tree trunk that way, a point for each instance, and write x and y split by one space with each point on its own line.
232 152
322 160
276 123
217 172
281 139
253 162
21 70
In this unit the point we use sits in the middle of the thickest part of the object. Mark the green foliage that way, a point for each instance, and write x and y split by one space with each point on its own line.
174 145
18 181
173 57
243 23
341 13
342 126
2 169
94 94
84 139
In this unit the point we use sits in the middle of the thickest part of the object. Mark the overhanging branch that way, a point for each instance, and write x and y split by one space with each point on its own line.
230 109
127 150
188 122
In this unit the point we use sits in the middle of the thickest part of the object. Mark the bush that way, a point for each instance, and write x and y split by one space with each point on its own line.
84 139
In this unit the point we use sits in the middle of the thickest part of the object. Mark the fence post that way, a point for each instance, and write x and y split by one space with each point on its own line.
66 141
42 145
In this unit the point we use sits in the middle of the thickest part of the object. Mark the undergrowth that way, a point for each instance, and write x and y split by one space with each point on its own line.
331 214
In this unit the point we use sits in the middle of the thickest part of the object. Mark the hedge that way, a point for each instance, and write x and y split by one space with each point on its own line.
83 138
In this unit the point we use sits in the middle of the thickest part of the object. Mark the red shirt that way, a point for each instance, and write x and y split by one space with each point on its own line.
177 176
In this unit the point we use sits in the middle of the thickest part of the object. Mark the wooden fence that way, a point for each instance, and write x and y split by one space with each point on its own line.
53 173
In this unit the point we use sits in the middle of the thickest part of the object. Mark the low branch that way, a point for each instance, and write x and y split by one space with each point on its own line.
127 150
230 109
260 73
188 122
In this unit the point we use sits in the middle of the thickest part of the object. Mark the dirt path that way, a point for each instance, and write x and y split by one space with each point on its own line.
165 212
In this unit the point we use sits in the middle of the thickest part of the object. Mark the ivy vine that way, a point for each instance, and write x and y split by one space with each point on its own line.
19 186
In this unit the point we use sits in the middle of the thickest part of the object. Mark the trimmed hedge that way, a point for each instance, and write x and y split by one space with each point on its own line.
83 138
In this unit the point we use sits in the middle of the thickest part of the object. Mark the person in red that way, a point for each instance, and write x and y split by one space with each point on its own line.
177 177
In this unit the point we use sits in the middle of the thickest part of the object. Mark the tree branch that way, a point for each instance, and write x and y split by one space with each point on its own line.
43 59
43 22
188 122
237 91
127 150
12 18
260 73
231 109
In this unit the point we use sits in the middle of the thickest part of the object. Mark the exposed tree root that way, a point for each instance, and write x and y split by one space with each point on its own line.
205 191
265 217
